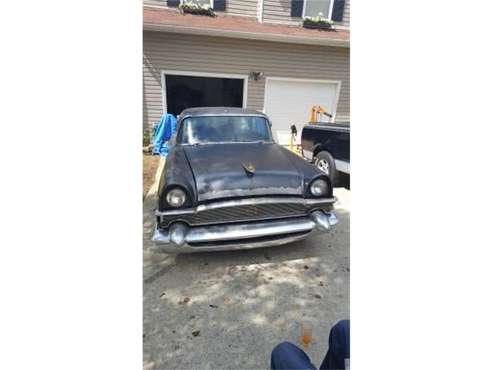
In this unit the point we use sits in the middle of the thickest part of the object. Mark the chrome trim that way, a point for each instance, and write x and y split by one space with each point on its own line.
180 238
243 202
342 166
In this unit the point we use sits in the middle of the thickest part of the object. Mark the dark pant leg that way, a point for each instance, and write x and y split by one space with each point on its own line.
287 356
338 347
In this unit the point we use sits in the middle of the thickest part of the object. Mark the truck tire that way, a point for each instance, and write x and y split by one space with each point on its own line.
325 162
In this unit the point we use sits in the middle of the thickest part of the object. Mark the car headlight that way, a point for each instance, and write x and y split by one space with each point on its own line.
319 188
176 197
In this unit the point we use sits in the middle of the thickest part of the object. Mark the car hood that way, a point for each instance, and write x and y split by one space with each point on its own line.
219 170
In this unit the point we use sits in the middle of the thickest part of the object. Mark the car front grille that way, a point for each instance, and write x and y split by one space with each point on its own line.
244 213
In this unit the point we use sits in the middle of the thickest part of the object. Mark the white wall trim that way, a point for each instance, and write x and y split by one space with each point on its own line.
260 10
336 100
201 74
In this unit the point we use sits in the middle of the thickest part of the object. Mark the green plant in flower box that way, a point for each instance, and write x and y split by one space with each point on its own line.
197 8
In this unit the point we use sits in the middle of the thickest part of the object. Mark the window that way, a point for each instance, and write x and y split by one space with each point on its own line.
224 129
313 8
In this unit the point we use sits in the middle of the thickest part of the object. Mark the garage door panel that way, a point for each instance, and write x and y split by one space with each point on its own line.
288 102
187 91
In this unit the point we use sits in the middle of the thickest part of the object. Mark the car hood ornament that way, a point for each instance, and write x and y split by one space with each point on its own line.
249 169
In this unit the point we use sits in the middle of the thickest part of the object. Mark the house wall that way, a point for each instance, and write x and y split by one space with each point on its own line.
233 7
241 7
279 11
171 51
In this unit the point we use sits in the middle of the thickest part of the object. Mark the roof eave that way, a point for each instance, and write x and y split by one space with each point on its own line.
246 35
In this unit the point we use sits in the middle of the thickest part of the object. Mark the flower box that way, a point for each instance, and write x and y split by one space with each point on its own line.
318 23
193 8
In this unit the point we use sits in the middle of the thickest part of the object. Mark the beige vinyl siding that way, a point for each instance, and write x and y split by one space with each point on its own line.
279 11
233 7
191 53
160 3
241 7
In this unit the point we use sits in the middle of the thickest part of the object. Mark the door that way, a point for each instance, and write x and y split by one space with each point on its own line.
184 92
289 101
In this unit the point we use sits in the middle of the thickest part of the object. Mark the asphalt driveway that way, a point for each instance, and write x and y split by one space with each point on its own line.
227 310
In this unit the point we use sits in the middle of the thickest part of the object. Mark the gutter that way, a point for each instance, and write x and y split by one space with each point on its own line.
246 35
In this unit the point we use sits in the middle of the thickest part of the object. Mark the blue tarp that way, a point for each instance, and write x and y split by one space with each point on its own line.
163 131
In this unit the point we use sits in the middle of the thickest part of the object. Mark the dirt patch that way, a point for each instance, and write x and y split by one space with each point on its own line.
149 167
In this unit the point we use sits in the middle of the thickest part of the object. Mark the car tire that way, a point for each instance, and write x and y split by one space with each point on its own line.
326 163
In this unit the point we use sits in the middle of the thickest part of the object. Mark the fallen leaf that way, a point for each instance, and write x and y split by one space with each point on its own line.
306 267
317 296
227 300
186 300
196 333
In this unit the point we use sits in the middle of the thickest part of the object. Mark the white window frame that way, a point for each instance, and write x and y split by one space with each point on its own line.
201 74
331 5
210 1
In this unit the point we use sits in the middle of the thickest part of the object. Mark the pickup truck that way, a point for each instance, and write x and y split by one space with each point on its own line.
327 146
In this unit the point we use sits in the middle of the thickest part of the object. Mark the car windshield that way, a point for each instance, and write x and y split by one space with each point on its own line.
224 129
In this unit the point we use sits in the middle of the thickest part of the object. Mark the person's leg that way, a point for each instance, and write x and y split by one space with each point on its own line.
287 356
338 347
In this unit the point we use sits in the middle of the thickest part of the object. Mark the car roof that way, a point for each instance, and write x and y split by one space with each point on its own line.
227 111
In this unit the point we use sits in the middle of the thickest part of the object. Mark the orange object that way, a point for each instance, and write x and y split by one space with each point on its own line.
315 113
306 335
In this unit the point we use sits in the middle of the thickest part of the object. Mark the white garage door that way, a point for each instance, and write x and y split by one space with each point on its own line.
289 102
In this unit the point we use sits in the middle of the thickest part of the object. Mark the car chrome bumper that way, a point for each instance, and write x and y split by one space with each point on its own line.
180 238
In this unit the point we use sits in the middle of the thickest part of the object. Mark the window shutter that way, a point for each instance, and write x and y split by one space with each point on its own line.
296 8
338 10
220 5
173 3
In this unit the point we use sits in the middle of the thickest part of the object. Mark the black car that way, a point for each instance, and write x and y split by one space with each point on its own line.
227 185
